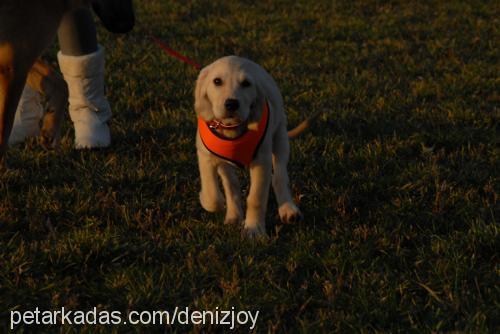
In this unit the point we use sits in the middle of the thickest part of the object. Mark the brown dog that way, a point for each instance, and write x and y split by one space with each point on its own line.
26 28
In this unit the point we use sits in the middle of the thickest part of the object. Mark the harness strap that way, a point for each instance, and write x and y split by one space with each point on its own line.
240 151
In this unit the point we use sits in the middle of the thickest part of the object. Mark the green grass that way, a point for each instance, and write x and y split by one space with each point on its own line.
398 181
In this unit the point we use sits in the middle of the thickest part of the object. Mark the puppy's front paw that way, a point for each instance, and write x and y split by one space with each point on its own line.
254 230
211 203
290 213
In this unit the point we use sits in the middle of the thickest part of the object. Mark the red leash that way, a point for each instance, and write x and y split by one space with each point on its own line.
175 54
214 124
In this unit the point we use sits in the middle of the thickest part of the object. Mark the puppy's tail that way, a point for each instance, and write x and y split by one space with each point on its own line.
299 129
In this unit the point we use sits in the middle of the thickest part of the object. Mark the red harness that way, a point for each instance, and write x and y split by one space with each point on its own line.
241 150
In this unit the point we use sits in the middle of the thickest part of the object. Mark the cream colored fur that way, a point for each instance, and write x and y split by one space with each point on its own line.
270 163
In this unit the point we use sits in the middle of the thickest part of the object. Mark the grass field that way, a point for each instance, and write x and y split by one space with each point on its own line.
398 181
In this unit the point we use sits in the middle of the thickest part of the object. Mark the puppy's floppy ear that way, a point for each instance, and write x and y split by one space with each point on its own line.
261 87
202 104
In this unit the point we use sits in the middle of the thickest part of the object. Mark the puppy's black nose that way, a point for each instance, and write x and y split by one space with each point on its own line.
232 105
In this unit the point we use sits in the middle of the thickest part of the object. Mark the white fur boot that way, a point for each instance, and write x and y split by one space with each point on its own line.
28 115
88 107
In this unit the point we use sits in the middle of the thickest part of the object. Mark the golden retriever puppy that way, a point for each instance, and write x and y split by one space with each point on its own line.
241 122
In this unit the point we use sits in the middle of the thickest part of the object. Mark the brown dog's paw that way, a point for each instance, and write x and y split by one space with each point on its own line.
290 213
50 133
47 140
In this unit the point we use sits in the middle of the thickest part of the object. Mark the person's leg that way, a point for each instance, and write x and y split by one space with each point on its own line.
77 33
81 61
77 37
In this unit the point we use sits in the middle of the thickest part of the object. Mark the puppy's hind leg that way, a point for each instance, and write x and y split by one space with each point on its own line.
288 211
232 190
211 198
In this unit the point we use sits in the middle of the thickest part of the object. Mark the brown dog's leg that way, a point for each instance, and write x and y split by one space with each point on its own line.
12 79
49 83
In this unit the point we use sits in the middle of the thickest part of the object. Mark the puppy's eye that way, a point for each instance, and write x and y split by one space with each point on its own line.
218 81
245 83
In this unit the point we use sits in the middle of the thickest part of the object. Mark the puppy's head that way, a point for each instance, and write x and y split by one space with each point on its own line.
227 92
